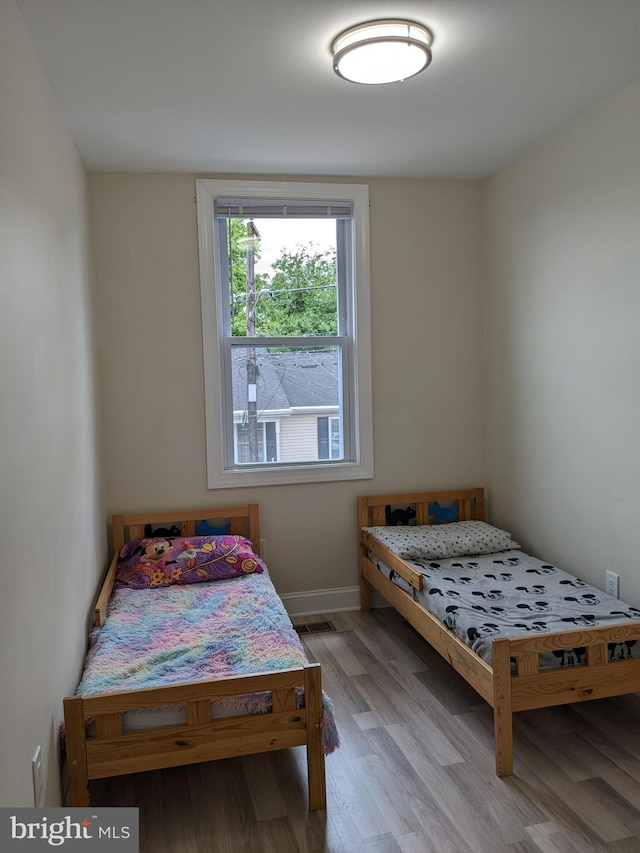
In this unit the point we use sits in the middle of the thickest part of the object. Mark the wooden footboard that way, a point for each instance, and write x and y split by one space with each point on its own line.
520 685
514 682
110 751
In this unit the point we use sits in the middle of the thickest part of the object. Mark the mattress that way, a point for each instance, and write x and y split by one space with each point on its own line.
512 594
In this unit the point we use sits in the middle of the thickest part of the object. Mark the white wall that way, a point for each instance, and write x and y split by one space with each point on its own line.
426 295
51 519
563 265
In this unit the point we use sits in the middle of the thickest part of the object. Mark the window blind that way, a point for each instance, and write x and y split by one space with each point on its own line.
226 208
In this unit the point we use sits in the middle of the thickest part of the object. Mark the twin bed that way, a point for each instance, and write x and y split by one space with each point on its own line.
193 656
520 631
186 670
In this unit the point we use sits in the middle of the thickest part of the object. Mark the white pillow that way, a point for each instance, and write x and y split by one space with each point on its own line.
443 541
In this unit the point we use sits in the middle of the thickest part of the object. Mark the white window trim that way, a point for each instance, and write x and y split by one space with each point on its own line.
334 420
219 477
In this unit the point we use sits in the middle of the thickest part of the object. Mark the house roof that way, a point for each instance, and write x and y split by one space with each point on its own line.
287 380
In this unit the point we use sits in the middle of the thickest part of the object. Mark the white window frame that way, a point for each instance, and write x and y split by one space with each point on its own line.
358 352
334 420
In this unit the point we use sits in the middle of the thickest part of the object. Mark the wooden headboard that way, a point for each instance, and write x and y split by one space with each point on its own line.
242 521
469 502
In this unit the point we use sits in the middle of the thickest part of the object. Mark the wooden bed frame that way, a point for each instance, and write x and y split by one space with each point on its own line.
507 691
109 751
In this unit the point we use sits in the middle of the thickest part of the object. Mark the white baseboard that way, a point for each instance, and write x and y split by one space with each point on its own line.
327 601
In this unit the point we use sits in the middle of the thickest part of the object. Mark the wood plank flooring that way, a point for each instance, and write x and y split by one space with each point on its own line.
415 770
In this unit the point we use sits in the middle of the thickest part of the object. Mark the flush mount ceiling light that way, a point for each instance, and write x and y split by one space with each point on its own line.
383 51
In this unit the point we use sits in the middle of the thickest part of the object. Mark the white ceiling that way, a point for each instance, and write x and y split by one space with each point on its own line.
247 85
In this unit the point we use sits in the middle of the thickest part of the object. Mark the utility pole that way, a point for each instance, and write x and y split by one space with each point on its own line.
253 235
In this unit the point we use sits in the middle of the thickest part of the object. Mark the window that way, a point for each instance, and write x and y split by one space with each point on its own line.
329 445
266 442
285 317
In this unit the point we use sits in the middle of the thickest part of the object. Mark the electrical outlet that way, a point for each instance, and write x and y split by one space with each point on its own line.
38 776
613 584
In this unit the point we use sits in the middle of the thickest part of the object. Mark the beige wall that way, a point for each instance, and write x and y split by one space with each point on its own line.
426 295
563 264
51 519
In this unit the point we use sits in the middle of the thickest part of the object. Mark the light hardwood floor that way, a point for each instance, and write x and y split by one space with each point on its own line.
414 773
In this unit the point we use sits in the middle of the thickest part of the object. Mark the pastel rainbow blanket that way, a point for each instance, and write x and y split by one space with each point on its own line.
177 634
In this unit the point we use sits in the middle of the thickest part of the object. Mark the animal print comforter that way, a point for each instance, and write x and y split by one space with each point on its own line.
511 594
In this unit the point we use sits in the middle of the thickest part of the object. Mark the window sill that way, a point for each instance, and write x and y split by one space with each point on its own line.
235 478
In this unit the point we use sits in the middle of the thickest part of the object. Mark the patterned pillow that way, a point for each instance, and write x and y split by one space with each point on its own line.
458 539
157 562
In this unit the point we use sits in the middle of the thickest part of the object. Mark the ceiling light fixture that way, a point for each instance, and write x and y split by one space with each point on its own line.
384 51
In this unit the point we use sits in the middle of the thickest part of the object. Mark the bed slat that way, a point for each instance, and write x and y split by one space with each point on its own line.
136 531
236 527
198 712
597 655
283 700
108 725
150 697
572 639
528 664
254 527
422 512
575 684
173 746
175 516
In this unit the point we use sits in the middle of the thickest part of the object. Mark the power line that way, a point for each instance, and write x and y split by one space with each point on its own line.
269 294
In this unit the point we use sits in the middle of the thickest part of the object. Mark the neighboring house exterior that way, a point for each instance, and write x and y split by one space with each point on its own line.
298 412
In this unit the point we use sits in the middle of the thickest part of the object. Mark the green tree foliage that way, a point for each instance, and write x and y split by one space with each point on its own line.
302 298
299 298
